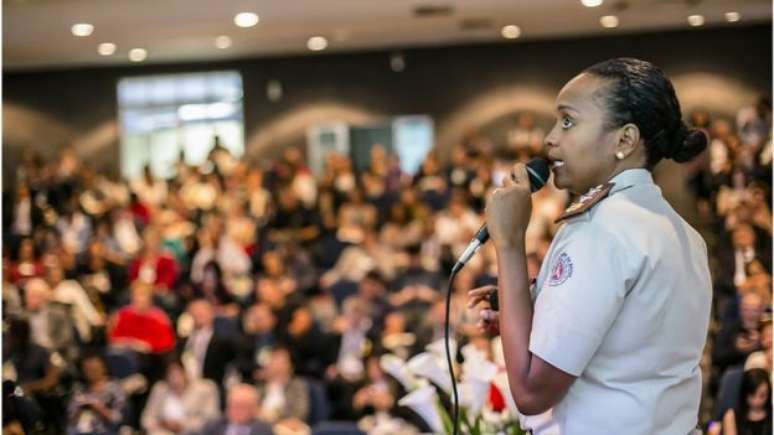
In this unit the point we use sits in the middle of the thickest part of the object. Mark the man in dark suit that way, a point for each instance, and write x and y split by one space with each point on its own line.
205 353
243 401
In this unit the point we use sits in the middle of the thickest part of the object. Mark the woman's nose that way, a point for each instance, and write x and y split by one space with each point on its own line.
550 140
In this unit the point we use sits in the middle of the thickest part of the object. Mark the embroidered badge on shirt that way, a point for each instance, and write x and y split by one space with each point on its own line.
586 201
561 271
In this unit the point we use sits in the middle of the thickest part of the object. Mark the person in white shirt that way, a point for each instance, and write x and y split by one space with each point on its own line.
179 403
611 335
150 191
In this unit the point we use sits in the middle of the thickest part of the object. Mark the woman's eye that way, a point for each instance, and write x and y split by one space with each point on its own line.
566 122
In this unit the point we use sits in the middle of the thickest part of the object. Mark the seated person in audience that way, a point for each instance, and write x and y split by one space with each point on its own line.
34 368
98 406
27 264
21 415
376 402
396 336
312 350
214 290
179 403
352 327
103 279
140 325
154 265
455 226
762 358
204 254
205 354
70 292
752 415
258 338
757 280
292 221
50 324
240 419
74 227
737 339
285 396
273 269
150 191
373 289
431 327
416 275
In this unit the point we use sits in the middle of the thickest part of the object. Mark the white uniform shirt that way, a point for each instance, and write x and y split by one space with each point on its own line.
622 302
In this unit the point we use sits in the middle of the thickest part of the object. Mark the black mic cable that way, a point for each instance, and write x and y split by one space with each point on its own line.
538 172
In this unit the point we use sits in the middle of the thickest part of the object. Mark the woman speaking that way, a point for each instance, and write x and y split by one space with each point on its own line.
610 335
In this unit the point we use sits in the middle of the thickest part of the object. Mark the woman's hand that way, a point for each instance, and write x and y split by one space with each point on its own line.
489 320
509 208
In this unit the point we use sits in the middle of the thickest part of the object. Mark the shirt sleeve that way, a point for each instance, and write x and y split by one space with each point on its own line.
584 290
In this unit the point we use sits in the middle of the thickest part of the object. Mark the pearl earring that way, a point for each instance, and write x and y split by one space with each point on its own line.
619 155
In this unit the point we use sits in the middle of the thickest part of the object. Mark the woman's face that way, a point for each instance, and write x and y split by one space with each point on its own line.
94 370
272 264
26 250
142 297
757 400
579 146
176 377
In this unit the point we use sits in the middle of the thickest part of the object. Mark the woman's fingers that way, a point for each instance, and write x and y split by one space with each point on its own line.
481 290
479 295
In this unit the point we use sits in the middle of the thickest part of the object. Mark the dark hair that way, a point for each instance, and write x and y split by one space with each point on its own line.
640 94
170 360
751 380
94 353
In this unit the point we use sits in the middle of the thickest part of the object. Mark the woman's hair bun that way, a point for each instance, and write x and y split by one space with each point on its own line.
687 143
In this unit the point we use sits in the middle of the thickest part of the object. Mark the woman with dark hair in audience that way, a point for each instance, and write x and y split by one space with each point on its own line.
180 403
213 289
154 264
96 408
752 415
27 264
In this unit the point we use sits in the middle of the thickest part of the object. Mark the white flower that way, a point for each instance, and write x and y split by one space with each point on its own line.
428 366
396 367
423 401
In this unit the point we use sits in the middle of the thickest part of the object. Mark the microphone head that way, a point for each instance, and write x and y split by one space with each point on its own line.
538 172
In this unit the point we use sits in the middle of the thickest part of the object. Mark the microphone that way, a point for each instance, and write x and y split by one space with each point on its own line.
538 172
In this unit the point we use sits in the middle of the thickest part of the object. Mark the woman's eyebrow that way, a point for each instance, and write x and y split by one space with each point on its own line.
566 108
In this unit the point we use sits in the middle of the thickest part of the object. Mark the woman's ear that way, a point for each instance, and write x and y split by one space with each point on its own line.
628 139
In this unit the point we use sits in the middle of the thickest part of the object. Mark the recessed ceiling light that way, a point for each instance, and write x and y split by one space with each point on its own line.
223 42
82 29
609 21
696 20
317 43
591 3
246 19
733 17
106 48
511 31
137 54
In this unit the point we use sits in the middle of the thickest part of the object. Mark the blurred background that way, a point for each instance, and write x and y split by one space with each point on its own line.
280 189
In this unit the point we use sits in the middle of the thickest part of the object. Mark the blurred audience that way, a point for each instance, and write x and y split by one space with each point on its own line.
298 285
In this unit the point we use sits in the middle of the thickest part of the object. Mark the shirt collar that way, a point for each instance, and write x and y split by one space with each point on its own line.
630 178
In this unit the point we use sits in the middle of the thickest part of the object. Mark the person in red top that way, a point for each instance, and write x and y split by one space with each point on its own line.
141 326
27 264
154 265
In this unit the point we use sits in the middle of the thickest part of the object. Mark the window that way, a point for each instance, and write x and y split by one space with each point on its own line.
411 137
166 117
